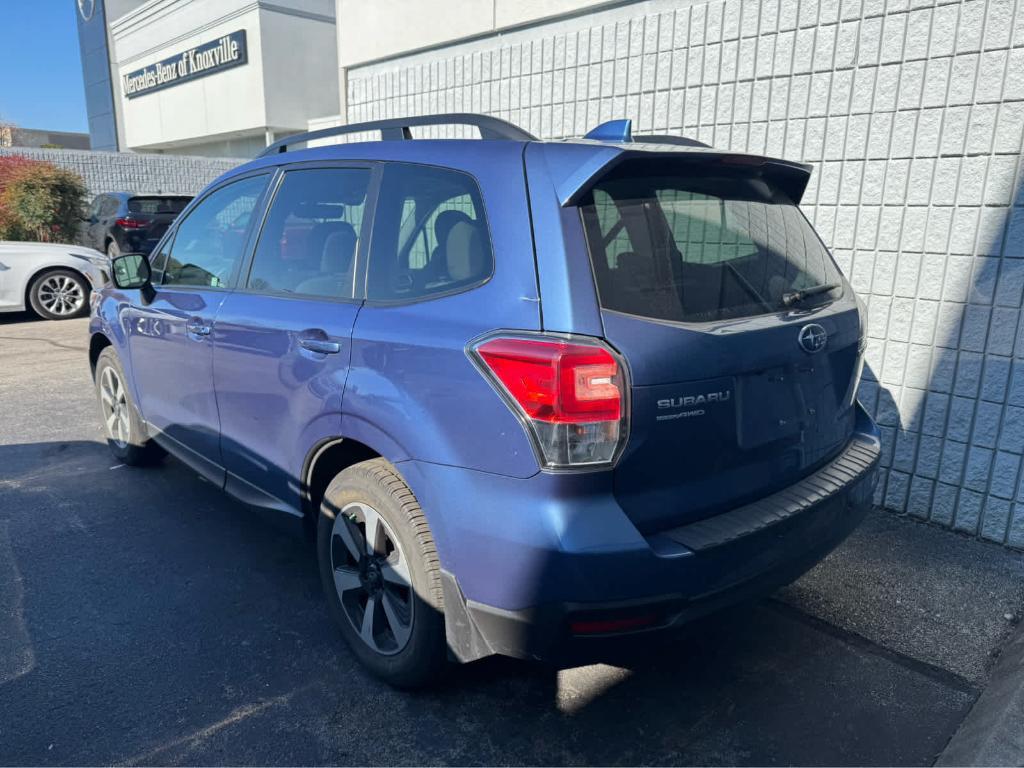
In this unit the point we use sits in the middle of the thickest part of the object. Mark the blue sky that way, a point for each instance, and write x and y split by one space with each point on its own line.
40 70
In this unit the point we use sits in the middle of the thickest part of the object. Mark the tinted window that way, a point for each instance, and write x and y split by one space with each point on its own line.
308 243
155 205
208 245
429 235
702 246
109 206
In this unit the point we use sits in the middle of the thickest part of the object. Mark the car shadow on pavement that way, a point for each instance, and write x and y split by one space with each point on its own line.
12 318
147 618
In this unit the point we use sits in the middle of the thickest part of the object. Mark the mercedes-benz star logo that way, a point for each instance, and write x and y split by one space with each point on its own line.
812 338
86 8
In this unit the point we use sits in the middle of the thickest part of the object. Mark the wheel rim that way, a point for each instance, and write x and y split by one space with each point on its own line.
371 577
115 407
61 295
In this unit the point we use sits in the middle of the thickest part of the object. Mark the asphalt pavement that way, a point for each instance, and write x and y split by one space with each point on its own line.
147 618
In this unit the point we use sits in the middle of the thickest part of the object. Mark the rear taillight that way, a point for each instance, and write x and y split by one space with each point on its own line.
131 223
570 394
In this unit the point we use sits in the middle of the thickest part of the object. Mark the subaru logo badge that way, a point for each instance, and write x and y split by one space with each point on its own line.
812 338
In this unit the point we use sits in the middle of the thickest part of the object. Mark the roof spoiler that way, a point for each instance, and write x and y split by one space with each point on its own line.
575 169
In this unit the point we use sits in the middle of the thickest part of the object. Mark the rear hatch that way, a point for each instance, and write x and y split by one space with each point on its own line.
155 212
739 332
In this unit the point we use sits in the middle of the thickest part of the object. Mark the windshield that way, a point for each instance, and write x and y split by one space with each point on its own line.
703 246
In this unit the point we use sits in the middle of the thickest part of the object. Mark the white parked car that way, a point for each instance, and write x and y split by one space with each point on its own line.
52 279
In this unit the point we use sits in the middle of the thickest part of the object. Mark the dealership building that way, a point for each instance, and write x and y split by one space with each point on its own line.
227 77
205 77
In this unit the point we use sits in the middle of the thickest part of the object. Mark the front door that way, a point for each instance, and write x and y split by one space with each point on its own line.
282 340
170 336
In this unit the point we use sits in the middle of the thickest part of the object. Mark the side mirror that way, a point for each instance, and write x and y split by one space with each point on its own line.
131 270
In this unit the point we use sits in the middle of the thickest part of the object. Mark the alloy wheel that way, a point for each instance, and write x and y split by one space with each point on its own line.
61 295
371 576
115 407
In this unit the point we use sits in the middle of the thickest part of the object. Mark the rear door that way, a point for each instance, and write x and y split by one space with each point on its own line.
740 385
282 342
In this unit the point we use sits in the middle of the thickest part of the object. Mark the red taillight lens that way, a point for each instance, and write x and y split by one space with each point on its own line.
130 223
571 394
557 381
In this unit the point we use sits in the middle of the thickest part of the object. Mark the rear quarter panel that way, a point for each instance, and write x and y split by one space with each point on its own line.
412 392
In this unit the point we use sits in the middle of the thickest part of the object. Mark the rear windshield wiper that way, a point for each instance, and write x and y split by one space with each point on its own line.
792 297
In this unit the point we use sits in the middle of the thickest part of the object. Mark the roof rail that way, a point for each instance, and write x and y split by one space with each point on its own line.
622 131
397 129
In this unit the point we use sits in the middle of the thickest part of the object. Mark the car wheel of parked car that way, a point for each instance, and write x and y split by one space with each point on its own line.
121 422
59 294
381 574
113 249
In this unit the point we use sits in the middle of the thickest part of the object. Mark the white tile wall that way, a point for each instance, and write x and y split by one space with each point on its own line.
129 172
912 112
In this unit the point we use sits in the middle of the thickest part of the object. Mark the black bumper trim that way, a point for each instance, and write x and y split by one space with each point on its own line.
856 460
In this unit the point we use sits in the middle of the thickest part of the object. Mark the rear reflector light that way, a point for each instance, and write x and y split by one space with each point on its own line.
610 626
131 223
570 394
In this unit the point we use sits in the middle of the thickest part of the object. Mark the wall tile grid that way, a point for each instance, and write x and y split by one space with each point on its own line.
128 172
912 114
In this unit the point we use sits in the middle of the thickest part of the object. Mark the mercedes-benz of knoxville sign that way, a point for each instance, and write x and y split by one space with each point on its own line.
206 59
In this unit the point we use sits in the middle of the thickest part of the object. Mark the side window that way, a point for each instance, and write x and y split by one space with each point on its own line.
96 207
429 236
209 243
309 241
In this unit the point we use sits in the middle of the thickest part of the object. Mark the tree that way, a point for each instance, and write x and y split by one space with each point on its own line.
39 201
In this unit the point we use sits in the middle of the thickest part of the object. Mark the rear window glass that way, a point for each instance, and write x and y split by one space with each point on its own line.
429 235
154 205
699 247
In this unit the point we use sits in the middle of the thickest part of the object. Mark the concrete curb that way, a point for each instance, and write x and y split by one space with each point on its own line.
992 733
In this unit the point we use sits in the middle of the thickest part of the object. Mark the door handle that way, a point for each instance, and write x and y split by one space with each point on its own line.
322 346
198 328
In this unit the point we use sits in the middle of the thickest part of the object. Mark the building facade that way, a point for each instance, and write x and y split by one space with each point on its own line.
15 136
206 77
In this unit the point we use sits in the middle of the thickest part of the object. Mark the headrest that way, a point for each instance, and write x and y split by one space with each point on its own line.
445 221
465 250
339 249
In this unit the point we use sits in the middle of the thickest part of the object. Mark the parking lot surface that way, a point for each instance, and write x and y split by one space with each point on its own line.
147 618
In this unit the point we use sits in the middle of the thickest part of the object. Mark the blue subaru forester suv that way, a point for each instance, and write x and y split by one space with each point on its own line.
530 396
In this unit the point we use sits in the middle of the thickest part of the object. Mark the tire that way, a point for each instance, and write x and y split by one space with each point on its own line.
408 655
59 294
113 249
122 425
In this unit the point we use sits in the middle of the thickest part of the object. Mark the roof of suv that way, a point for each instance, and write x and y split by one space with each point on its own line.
574 163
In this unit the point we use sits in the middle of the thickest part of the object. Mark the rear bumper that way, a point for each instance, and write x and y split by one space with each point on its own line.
135 241
593 580
547 631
